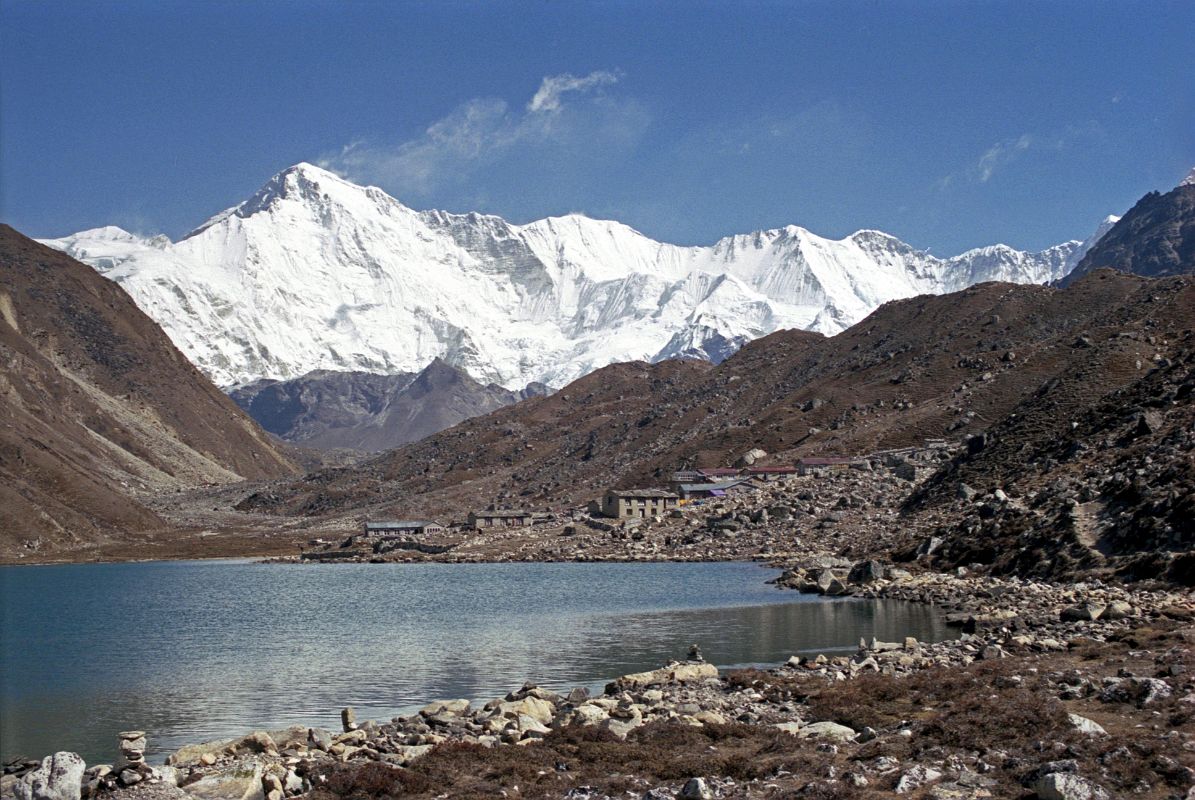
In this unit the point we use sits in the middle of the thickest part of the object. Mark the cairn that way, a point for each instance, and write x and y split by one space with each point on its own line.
129 770
132 747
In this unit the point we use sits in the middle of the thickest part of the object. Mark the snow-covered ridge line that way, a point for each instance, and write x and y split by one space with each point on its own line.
315 272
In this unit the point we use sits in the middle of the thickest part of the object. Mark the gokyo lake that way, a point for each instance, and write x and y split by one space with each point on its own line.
195 651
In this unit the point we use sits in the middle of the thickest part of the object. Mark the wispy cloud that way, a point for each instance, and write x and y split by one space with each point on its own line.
553 86
1001 153
1006 151
566 111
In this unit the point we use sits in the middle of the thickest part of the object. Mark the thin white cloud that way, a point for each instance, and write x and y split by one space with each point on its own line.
1006 151
547 98
1001 153
485 130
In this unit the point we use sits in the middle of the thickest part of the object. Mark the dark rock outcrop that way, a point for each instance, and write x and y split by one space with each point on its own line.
1156 238
364 411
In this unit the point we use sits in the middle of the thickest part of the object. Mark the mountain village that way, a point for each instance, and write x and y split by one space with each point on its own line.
624 514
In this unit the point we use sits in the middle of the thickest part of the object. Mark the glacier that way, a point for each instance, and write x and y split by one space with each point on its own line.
314 272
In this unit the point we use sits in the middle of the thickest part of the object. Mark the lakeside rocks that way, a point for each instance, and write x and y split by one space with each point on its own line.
1008 619
59 777
1026 625
673 673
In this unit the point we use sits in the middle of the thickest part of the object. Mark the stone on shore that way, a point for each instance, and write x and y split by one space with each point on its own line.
454 707
541 711
866 572
673 673
242 783
589 714
60 777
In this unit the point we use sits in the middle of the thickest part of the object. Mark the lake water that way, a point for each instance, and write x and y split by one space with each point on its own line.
193 651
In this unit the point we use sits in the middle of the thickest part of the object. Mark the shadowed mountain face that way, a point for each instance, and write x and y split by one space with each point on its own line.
98 408
368 412
1156 238
926 367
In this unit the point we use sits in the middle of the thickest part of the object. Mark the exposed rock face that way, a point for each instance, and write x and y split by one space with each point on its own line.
1156 238
98 407
364 411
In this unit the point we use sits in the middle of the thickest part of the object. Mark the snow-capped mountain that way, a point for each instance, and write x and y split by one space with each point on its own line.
315 272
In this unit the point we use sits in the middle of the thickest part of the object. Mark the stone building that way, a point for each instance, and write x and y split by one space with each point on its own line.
405 527
637 503
499 518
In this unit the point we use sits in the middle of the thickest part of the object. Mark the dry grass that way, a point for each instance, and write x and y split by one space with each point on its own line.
1004 714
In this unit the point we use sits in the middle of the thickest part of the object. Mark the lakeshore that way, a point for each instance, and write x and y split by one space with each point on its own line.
1072 689
272 646
1082 673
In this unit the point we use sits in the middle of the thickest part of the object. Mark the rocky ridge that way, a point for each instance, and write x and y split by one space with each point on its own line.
1155 238
369 412
919 369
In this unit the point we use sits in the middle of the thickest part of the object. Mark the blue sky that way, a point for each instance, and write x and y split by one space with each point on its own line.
948 124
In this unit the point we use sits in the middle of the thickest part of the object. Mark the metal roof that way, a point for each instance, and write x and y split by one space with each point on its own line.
502 512
720 486
644 493
400 525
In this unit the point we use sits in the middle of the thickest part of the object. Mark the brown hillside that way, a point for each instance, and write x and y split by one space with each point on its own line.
97 408
1090 479
915 369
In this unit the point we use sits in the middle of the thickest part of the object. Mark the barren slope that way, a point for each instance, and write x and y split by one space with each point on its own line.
1092 479
97 408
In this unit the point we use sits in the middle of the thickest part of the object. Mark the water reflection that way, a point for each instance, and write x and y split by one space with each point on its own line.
195 651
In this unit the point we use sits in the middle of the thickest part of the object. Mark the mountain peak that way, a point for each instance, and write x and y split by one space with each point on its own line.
1189 180
439 373
310 171
301 176
304 179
